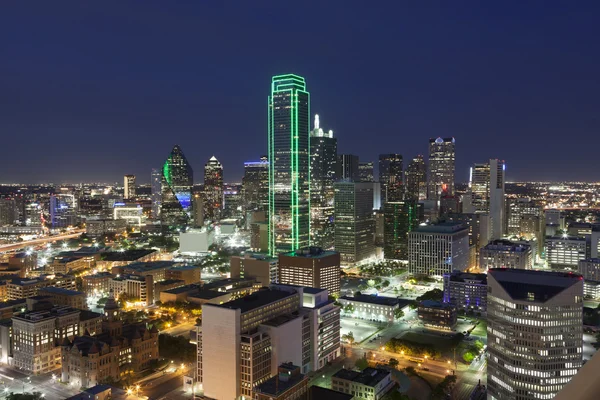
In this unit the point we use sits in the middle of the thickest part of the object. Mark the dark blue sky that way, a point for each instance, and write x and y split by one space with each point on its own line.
94 90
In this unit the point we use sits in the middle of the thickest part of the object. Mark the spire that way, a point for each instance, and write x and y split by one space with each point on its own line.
316 121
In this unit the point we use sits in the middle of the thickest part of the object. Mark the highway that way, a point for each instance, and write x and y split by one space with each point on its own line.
37 242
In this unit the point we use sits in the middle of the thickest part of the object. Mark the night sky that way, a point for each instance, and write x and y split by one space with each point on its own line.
94 90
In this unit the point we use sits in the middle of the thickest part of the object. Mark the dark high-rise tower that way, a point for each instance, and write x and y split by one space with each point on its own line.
400 218
390 177
255 185
441 167
365 171
416 179
176 187
347 168
323 158
156 188
213 189
289 164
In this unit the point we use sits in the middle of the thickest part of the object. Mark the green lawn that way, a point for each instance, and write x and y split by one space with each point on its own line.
480 329
441 343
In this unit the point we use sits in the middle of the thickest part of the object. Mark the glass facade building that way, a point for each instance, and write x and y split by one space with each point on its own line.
213 189
289 164
391 174
442 159
176 189
416 179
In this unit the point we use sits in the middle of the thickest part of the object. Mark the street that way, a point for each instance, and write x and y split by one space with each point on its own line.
180 330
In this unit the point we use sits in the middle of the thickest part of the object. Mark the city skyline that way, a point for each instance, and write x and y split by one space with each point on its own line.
532 82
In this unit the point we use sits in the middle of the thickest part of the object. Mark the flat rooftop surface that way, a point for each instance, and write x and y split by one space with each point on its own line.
369 376
365 298
257 299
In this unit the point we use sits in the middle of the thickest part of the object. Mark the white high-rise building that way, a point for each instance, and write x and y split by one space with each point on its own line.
129 187
241 343
535 334
486 194
438 249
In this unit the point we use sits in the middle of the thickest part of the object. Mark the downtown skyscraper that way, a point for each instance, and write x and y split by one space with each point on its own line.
391 177
289 164
156 191
213 189
323 157
255 184
442 158
176 189
416 179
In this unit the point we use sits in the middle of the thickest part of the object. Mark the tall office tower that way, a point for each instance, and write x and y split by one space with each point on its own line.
441 167
176 189
63 210
486 189
439 249
400 218
501 253
198 210
354 221
323 160
480 233
535 334
347 168
311 267
8 212
156 191
289 164
129 187
391 174
366 172
255 185
213 189
521 212
241 343
416 179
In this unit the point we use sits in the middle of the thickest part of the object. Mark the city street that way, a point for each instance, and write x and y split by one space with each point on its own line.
180 330
15 381
468 380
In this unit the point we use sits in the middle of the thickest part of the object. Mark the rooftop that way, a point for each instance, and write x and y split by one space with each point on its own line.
128 255
208 294
256 300
183 289
522 284
66 292
185 268
235 282
372 299
369 376
310 252
442 227
458 276
149 266
435 304
35 316
85 315
279 384
320 393
281 320
507 245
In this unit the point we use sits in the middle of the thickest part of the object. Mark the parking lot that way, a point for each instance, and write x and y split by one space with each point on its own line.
360 329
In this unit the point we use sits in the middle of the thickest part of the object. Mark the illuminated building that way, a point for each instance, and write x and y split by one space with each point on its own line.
373 308
213 189
347 168
436 314
564 252
365 172
133 215
441 167
289 164
241 343
323 161
256 185
354 221
156 191
478 225
391 174
369 384
416 179
486 189
310 267
467 292
400 217
435 250
534 331
8 212
505 254
129 187
176 189
198 210
288 384
63 210
256 266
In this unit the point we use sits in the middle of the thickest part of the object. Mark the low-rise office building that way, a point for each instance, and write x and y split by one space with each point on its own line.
505 254
311 267
438 249
373 308
436 314
65 297
111 259
261 267
97 284
99 227
466 291
24 288
288 384
189 274
564 252
589 268
369 384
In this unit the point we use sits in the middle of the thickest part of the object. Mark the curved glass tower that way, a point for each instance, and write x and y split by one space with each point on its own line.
289 164
176 187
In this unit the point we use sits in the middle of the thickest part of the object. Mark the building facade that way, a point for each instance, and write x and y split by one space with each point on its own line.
129 187
176 189
347 168
442 158
213 189
289 164
465 291
535 334
354 221
564 252
436 314
486 194
311 267
255 185
391 177
506 254
400 218
438 249
369 384
416 179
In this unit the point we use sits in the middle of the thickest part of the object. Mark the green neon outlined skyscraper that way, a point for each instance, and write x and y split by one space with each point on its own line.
176 187
289 164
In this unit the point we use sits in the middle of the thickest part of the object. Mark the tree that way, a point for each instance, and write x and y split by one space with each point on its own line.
468 356
385 283
349 337
434 294
371 283
79 284
349 308
362 363
393 362
398 313
24 396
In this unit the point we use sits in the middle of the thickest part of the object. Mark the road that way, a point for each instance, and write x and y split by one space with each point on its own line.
36 242
180 330
469 379
15 381
158 389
